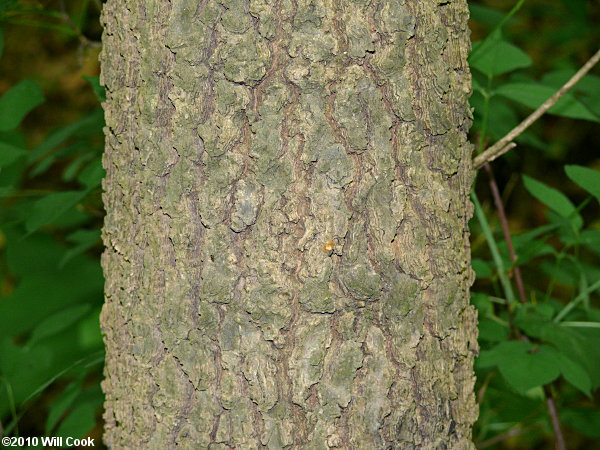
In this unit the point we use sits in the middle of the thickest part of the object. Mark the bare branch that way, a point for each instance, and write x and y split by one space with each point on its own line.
558 435
506 143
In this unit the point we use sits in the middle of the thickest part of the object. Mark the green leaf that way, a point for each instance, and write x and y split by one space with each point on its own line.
587 179
85 239
534 94
522 365
73 168
587 90
482 302
482 268
574 373
92 175
10 153
492 331
88 331
59 405
497 56
79 422
49 208
17 102
581 345
57 322
502 353
531 369
554 199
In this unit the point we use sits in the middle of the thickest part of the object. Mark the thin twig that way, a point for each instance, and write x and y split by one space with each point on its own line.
506 143
506 231
560 440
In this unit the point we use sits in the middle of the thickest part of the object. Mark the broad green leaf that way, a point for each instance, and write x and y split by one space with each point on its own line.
501 115
554 199
531 369
57 322
497 56
522 365
85 239
534 94
79 422
17 102
24 368
44 163
482 268
491 331
59 405
88 331
587 90
10 153
74 167
482 302
581 345
502 353
93 173
587 179
574 373
49 208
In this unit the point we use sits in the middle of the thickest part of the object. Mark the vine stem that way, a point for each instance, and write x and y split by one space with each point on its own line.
506 143
560 440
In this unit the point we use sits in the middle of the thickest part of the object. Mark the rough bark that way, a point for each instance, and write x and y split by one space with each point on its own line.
287 260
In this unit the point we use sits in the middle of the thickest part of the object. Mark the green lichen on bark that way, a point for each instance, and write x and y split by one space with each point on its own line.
287 199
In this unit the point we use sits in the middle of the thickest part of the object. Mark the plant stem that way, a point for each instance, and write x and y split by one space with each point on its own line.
576 301
560 440
508 291
506 230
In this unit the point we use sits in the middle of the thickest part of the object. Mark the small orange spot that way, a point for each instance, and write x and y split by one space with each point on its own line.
328 246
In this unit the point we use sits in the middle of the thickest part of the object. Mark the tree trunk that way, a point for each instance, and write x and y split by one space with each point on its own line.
287 260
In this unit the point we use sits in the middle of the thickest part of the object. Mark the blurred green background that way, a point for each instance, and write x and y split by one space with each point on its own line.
532 349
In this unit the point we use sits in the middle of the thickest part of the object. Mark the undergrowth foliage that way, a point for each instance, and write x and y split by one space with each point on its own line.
537 290
51 350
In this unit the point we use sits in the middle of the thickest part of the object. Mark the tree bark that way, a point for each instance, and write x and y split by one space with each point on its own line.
287 261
